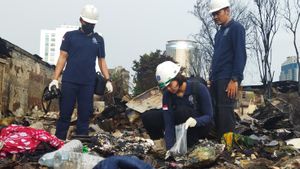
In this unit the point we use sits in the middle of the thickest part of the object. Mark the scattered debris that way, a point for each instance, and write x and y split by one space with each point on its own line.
267 133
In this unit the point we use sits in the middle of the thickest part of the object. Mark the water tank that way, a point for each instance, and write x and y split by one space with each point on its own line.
181 51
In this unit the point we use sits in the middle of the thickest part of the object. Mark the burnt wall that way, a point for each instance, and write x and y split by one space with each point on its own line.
23 78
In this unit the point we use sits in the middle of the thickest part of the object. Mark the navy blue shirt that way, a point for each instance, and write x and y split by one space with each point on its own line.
82 53
204 117
229 57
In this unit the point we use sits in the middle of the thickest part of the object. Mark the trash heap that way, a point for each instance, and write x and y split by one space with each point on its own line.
106 144
267 136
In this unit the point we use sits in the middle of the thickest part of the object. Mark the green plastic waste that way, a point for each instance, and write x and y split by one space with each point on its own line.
85 149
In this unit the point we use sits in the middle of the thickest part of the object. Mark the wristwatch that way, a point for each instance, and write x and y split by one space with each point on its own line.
234 79
109 79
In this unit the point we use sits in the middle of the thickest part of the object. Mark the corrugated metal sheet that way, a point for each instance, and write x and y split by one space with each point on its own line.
150 99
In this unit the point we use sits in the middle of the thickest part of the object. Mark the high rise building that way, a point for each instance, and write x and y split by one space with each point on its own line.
50 41
289 69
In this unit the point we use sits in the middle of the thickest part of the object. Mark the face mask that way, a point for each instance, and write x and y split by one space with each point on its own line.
87 28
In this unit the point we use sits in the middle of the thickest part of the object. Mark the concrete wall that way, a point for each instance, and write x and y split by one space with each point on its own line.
23 78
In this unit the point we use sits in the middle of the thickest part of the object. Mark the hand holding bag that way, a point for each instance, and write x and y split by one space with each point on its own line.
180 147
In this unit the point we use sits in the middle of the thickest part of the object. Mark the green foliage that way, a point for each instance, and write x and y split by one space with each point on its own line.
120 78
145 68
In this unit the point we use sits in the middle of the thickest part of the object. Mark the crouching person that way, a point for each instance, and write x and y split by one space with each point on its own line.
184 101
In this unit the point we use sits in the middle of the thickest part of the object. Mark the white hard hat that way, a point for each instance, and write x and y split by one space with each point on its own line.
89 14
216 5
166 72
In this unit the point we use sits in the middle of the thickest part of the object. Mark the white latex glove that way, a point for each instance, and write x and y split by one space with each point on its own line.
53 82
109 87
190 122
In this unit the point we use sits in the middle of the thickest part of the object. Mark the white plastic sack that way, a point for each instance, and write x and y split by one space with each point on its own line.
180 147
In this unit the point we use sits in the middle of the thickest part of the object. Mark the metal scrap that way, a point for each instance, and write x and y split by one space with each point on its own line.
150 99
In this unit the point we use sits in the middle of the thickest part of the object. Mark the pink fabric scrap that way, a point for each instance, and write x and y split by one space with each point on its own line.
18 139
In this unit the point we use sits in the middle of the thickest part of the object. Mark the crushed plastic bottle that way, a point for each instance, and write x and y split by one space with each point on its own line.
75 160
72 146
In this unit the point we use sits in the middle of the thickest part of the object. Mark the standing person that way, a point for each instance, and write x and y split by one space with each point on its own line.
78 53
184 101
227 67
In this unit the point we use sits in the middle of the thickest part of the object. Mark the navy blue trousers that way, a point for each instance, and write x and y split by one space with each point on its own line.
223 107
122 162
70 94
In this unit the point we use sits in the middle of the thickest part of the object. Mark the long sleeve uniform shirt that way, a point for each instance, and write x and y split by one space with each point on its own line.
229 57
203 118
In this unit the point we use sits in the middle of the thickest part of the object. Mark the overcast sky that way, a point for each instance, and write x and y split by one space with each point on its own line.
130 27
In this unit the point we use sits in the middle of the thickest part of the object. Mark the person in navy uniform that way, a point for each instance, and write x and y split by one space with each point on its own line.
185 100
78 53
227 67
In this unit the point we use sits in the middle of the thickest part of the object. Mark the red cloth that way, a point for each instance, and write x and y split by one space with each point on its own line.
18 139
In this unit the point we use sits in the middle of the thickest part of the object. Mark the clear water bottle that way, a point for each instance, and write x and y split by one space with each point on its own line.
75 160
72 146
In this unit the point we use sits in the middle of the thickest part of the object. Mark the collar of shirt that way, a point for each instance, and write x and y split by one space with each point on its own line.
228 24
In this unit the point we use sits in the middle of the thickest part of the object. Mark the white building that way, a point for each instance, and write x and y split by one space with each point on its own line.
50 41
289 69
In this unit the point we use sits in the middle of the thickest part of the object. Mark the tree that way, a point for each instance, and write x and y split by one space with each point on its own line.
120 78
145 68
292 16
201 60
197 68
266 23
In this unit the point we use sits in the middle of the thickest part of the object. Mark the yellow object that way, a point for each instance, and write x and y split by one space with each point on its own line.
7 121
230 138
227 140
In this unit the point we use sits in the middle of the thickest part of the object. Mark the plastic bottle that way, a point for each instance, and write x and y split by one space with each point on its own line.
75 160
72 146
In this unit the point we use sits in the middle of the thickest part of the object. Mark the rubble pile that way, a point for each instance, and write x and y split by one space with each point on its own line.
267 135
106 144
